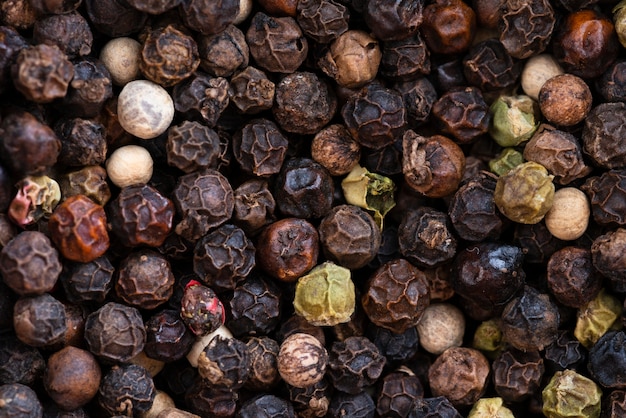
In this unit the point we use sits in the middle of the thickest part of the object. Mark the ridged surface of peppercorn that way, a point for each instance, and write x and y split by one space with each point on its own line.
12 43
322 20
18 400
203 96
398 394
192 146
393 20
201 310
607 196
154 7
489 67
462 113
225 362
19 362
263 363
260 147
312 400
449 26
607 255
572 277
517 374
254 206
255 307
88 282
201 397
209 16
527 27
354 364
360 405
167 336
566 352
127 390
83 142
604 125
40 321
252 92
70 32
223 53
269 406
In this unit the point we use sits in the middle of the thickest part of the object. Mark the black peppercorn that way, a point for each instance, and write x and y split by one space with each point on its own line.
18 400
19 362
396 347
115 18
260 147
517 374
419 96
40 321
354 364
612 84
263 363
201 95
225 362
438 406
255 307
254 206
70 32
607 360
566 352
488 66
126 390
462 113
167 336
405 59
393 20
251 91
88 282
267 406
600 135
607 255
360 405
398 394
572 277
526 27
606 196
203 398
322 20
223 53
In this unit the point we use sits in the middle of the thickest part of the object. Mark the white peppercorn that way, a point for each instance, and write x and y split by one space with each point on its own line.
568 217
537 71
129 165
441 326
145 109
121 56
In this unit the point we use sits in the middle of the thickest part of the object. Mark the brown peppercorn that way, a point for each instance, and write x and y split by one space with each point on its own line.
405 59
432 165
302 360
223 53
19 362
263 363
288 248
192 146
90 88
260 147
335 149
72 377
607 197
251 91
167 336
126 389
89 181
585 43
209 16
398 393
83 142
39 321
565 99
517 374
168 56
115 333
419 96
203 96
19 400
78 229
354 364
255 307
322 20
225 362
88 282
18 14
603 128
460 374
489 66
352 59
12 43
449 26
24 258
526 27
201 310
115 18
349 236
204 398
254 206
55 6
607 252
311 401
396 295
140 215
612 84
462 113
154 7
276 43
572 277
393 20
70 32
144 279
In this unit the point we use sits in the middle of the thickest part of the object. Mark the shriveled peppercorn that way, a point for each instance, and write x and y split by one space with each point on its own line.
167 337
90 88
391 20
360 405
398 393
126 389
255 307
527 27
352 59
192 146
251 90
488 66
517 374
405 59
19 362
254 206
221 54
566 352
569 394
83 142
209 17
449 26
39 321
419 96
201 310
202 95
607 252
462 113
571 276
12 42
89 181
204 398
612 84
605 194
267 405
88 282
70 32
263 363
438 406
225 362
322 20
354 364
260 147
425 237
601 133
311 401
335 149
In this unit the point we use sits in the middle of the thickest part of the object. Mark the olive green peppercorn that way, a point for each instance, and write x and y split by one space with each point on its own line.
569 394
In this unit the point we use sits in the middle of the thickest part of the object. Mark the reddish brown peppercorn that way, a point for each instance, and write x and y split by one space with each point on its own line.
526 27
565 99
335 149
462 113
209 16
393 20
449 26
201 310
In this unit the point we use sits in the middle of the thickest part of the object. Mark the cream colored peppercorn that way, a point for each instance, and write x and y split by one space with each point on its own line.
441 326
568 217
128 165
537 71
302 360
121 56
161 402
245 8
145 109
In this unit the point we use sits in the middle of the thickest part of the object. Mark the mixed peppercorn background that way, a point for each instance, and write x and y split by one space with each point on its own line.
312 208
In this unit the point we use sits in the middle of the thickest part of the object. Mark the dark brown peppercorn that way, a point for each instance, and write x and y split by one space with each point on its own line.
255 307
42 73
19 362
335 149
612 84
115 333
192 146
604 125
472 209
419 96
154 7
251 91
223 53
585 43
202 96
405 59
201 310
12 43
566 352
432 166
304 189
18 14
396 295
90 181
288 248
607 363
322 20
140 215
425 237
225 362
39 321
83 142
462 113
470 370
78 228
398 394
55 6
24 259
397 348
203 398
70 32
276 43
224 257
375 116
115 18
209 16
391 20
204 200
517 374
72 377
263 363
572 278
167 336
607 254
29 146
488 274
606 194
18 400
260 147
303 103
168 56
269 406
296 323
311 401
88 282
90 88
438 406
254 206
126 390
526 27
449 26
614 405
354 364
488 66
360 405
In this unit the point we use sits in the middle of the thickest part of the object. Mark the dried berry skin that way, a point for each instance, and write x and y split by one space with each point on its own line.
78 228
42 73
419 96
225 362
255 308
526 27
201 310
207 16
354 364
396 295
572 278
438 406
223 53
517 374
397 348
127 390
154 7
202 398
537 242
115 333
571 394
18 400
303 103
312 400
89 181
24 258
88 282
303 189
192 146
12 43
276 43
254 206
612 84
19 362
449 26
115 17
462 113
70 32
322 20
425 237
405 59
302 360
375 116
83 142
488 66
607 253
260 147
269 406
263 363
393 20
360 405
204 200
90 88
335 149
168 56
251 91
201 95
167 337
398 394
601 133
606 196
39 321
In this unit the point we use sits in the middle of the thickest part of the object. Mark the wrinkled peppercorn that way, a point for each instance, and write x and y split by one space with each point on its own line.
605 194
269 406
263 363
419 96
322 20
260 147
569 394
393 20
223 53
39 321
202 95
396 347
462 113
209 17
201 310
89 181
115 17
354 364
90 88
438 406
167 337
83 142
203 398
19 362
19 400
607 256
255 308
517 374
600 135
251 91
526 27
571 276
154 7
192 146
88 282
254 207
126 389
360 405
398 393
225 362
70 32
612 84
488 66
405 59
425 237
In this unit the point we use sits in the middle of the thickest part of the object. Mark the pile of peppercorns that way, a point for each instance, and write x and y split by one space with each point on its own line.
312 208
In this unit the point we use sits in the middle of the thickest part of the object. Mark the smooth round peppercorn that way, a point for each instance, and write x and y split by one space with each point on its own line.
565 99
302 360
568 217
126 389
144 109
129 165
18 400
121 56
440 327
72 377
537 70
569 394
354 364
352 59
78 229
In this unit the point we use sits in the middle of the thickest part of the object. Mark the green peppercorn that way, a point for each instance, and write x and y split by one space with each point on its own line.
505 161
325 296
369 191
596 318
490 408
569 394
514 120
525 193
488 338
